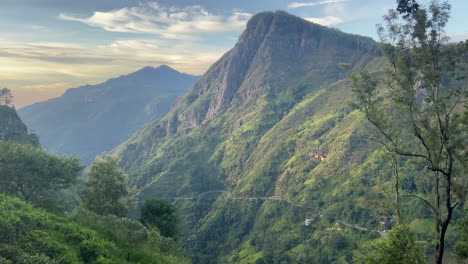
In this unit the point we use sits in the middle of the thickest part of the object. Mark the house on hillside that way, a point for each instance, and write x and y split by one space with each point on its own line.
310 219
387 222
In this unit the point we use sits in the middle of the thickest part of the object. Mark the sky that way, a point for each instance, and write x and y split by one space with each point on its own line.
48 46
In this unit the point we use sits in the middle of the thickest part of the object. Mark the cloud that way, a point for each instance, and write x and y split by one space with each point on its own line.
47 86
305 4
458 37
325 21
169 22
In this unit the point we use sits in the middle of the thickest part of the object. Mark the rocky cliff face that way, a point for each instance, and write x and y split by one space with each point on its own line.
89 120
264 138
273 47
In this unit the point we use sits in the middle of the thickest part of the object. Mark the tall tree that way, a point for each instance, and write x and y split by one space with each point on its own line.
26 170
419 107
107 192
6 98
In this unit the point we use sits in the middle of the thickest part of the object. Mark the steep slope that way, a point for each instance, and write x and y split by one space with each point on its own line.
265 138
13 129
89 120
32 235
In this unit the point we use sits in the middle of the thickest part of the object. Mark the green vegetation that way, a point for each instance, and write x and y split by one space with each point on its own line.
461 247
269 136
160 214
28 171
30 235
107 188
398 247
420 111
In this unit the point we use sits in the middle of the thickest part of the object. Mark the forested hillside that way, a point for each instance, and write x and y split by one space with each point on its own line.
86 121
269 159
267 137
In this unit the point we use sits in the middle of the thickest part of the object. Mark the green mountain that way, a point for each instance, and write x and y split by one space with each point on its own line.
91 119
266 138
12 127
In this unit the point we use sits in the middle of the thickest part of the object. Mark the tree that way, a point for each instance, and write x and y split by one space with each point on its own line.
161 214
419 107
107 192
5 97
26 170
398 247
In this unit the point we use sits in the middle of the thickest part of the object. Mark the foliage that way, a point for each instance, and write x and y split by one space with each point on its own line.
461 247
420 111
266 138
27 170
6 98
397 247
32 236
160 214
106 190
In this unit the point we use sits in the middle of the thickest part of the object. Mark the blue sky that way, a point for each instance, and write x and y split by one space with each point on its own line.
47 46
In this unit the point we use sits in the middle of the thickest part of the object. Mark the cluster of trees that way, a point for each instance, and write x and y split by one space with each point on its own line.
30 173
419 111
107 193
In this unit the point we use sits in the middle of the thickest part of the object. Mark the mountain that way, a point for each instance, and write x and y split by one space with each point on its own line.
265 140
91 119
12 127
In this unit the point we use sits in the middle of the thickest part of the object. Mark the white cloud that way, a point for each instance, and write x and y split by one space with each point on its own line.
305 4
325 21
47 86
169 22
458 37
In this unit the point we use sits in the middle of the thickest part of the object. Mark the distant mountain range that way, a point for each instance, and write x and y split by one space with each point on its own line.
91 119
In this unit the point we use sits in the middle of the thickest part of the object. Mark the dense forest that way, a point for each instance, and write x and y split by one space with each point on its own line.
301 144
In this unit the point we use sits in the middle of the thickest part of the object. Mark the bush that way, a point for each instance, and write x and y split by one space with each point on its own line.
91 250
398 247
160 214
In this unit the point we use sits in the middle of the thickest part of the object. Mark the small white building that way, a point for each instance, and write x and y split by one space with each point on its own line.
310 219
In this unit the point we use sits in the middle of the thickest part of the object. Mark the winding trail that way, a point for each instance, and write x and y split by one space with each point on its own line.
272 198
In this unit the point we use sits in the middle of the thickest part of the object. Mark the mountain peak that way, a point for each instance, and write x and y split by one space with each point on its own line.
151 68
274 45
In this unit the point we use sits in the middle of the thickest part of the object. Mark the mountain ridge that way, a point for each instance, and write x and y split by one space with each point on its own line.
256 47
90 119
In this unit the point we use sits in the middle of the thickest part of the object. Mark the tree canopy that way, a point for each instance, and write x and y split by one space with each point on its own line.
419 107
27 170
161 214
107 192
